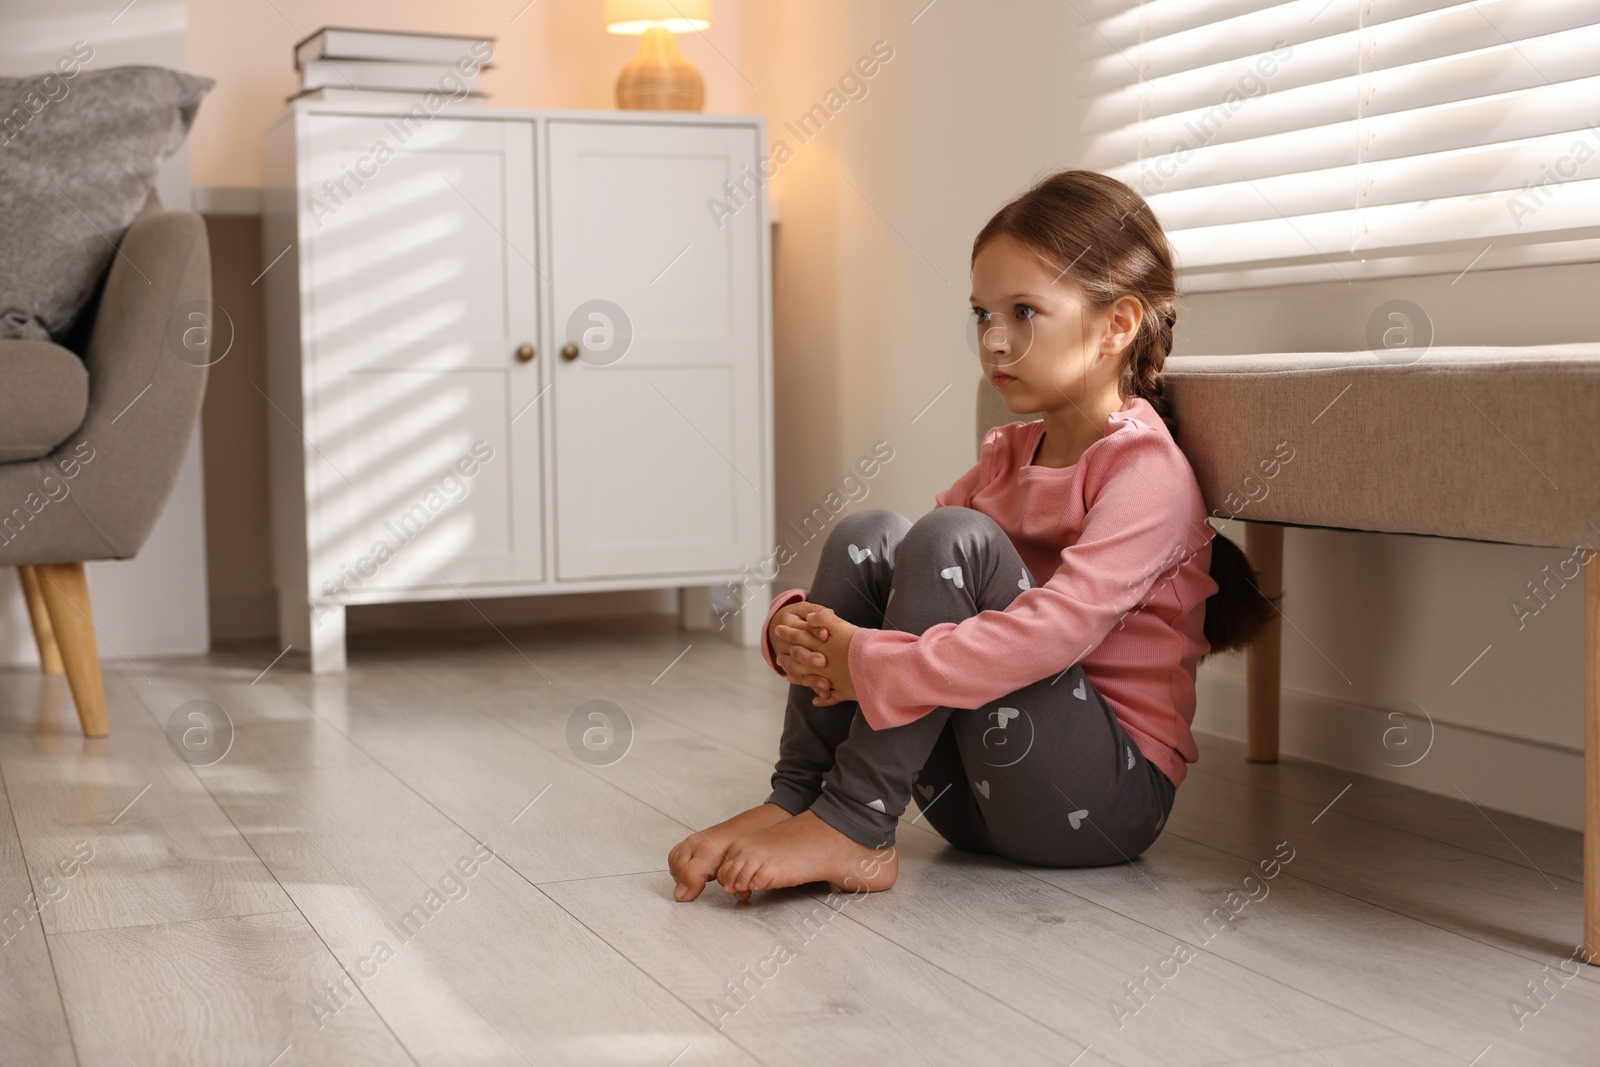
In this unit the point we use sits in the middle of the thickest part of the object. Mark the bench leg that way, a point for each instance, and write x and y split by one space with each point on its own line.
1591 762
1263 546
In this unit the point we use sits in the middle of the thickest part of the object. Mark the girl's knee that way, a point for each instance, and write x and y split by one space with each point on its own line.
954 519
943 527
872 525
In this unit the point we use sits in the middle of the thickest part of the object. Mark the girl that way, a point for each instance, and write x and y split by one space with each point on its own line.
1023 656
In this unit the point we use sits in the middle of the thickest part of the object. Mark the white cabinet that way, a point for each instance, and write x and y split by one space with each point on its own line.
513 352
670 431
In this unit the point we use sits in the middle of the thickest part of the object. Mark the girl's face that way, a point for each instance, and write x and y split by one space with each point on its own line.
1040 342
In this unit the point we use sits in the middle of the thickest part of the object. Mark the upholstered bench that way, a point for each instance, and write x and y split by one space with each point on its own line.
1483 444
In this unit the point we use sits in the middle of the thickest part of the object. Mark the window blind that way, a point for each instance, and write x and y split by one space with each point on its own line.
1314 139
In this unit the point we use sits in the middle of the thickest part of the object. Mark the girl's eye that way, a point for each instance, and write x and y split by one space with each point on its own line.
1025 312
980 314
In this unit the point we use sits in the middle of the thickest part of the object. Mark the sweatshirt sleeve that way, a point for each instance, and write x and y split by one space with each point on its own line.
1136 527
779 602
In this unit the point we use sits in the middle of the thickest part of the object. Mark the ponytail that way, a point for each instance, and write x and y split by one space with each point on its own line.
1238 611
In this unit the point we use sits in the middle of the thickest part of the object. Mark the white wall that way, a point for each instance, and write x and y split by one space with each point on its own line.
872 277
155 604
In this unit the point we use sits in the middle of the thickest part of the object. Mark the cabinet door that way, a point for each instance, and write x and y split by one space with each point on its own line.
421 289
658 447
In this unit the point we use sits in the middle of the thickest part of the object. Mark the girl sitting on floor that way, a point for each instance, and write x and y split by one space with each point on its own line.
1022 656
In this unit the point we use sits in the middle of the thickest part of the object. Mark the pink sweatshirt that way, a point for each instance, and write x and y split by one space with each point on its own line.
1118 551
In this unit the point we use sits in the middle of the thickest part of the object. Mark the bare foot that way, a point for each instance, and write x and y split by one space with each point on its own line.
805 849
696 858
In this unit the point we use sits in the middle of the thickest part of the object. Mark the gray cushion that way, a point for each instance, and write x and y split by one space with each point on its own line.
1485 444
79 158
44 392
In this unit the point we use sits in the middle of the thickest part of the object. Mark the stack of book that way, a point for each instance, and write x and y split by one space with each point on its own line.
345 65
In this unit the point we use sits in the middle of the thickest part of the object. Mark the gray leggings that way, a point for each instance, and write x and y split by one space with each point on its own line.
1045 775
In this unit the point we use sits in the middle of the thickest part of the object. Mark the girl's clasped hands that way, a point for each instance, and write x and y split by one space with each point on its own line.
812 647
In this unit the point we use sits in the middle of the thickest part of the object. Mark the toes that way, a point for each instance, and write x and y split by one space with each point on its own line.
746 881
728 872
694 872
733 873
683 854
736 877
689 883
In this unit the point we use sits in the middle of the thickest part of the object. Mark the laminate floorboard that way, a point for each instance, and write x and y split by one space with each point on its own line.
476 964
1500 902
162 850
213 991
232 909
1444 989
795 982
1451 819
1067 961
32 1016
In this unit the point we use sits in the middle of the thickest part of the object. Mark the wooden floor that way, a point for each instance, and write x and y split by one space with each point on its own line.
316 896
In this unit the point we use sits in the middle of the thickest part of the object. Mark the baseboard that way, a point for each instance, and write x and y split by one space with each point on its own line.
1528 778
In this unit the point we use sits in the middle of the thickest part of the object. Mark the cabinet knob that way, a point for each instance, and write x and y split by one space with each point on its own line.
569 351
524 353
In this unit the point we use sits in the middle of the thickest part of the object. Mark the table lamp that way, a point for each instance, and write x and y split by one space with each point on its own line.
659 77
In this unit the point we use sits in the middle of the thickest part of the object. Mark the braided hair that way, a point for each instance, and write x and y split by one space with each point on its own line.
1115 247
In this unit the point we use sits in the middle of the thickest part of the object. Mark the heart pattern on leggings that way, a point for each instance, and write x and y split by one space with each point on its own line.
1022 583
1076 817
954 574
1081 691
859 554
877 805
983 787
1130 759
926 791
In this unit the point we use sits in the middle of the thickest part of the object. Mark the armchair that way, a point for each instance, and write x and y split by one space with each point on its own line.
90 448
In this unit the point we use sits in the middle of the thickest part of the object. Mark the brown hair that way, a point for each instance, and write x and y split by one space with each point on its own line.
1113 247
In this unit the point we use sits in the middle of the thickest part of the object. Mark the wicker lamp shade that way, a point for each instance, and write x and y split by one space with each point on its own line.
659 77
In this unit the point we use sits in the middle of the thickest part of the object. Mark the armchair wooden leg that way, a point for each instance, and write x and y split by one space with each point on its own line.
44 634
66 596
1263 546
1591 761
